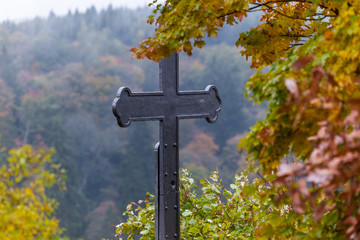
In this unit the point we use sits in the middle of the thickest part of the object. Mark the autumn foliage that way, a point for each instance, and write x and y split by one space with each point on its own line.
314 114
183 25
308 146
26 209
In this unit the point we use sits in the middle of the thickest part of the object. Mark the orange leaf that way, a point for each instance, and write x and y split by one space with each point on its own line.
301 63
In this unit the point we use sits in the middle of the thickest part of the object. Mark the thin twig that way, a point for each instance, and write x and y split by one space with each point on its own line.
261 176
194 206
294 35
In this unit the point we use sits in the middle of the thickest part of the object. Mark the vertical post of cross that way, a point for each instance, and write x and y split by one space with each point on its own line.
168 196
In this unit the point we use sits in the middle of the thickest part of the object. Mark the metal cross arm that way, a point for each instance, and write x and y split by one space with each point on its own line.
130 106
167 106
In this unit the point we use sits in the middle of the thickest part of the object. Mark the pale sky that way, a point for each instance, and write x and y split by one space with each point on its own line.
26 9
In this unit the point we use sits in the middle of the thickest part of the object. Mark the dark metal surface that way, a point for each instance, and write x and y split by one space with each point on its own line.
168 106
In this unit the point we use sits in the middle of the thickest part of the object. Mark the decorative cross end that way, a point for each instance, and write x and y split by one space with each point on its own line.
122 118
213 91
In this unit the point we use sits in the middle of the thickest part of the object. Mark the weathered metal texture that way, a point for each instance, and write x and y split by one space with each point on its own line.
167 106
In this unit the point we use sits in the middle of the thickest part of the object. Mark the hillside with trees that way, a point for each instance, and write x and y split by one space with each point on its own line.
58 77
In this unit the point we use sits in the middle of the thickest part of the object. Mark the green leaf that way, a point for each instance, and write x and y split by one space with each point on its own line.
186 213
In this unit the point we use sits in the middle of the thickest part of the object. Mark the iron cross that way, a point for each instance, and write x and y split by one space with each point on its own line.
167 106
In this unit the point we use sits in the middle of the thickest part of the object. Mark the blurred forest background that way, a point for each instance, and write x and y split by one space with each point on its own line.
58 77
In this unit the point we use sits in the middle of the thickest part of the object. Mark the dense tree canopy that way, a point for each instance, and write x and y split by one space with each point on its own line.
184 25
314 115
308 145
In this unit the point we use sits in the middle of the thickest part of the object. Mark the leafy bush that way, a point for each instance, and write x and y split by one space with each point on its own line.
25 209
245 211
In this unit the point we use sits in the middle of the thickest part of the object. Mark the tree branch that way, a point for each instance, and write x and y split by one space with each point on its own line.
291 17
294 35
261 176
259 5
